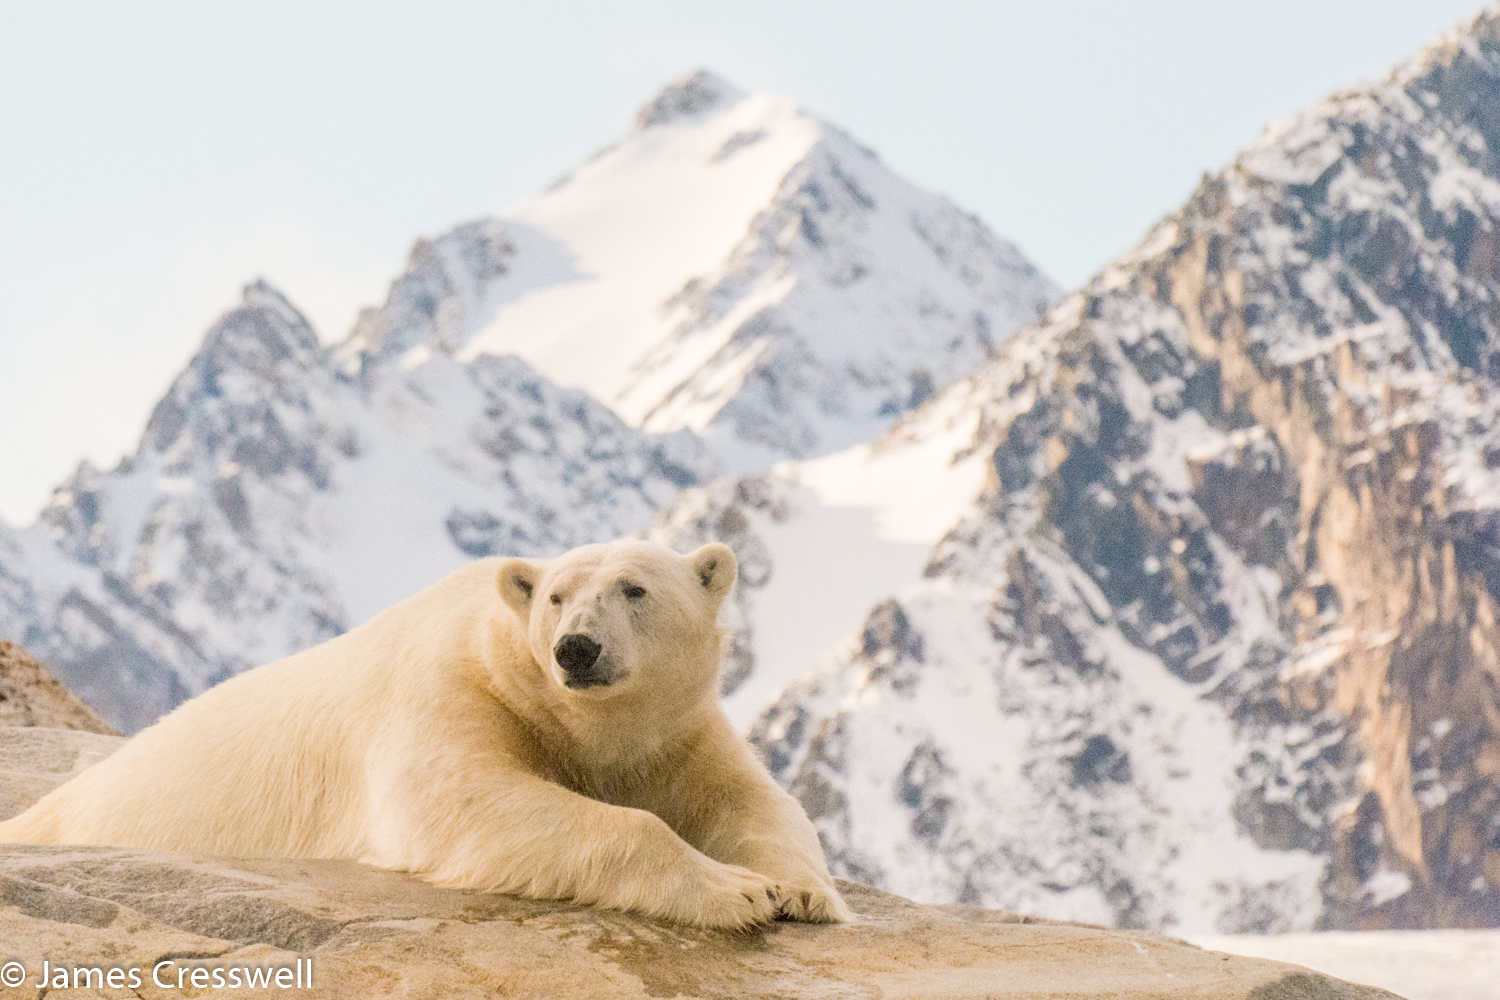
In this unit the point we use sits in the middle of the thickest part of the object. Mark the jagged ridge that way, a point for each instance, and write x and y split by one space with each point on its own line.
1215 646
284 491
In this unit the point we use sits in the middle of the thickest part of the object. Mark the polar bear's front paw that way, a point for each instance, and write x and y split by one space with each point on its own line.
814 903
735 898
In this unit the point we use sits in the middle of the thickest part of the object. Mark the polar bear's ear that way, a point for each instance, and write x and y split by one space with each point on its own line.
517 583
716 568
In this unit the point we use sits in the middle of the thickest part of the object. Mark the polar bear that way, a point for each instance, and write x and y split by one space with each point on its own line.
547 728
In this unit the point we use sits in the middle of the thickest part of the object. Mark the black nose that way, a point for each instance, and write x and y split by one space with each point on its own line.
576 652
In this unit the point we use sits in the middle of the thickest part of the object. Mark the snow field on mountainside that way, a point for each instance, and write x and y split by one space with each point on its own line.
996 727
635 223
855 528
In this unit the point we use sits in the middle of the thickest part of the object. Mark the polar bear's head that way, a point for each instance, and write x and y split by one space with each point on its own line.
607 619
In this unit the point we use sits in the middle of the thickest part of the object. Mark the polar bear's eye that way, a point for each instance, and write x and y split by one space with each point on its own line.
633 592
556 598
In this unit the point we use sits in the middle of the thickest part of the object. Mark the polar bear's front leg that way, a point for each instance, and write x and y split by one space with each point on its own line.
766 831
725 804
519 834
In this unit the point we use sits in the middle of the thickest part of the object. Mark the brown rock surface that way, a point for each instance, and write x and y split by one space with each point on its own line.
1262 450
31 696
33 761
373 933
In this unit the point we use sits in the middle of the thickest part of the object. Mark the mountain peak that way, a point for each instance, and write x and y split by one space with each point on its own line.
689 275
263 341
261 294
264 316
688 97
1476 38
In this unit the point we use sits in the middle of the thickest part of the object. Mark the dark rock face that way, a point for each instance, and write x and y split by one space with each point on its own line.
1246 475
697 92
1355 337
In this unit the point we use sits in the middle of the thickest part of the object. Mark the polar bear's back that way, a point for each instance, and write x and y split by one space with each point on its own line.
224 773
272 762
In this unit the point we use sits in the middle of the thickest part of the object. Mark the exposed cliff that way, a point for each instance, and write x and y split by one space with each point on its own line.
1215 645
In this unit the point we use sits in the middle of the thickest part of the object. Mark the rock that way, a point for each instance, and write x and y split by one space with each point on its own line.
31 696
1229 588
365 932
377 933
35 761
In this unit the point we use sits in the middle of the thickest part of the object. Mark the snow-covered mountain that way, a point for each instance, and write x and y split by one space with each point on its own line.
819 542
285 491
733 266
1210 641
108 648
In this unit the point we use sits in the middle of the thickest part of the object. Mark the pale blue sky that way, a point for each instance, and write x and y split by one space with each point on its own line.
155 156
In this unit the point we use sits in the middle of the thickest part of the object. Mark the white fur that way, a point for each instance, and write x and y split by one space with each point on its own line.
440 738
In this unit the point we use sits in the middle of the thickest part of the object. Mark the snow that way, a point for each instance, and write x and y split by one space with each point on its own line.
916 493
286 492
864 525
995 723
831 566
746 271
1386 885
275 503
1417 965
626 231
1296 150
385 544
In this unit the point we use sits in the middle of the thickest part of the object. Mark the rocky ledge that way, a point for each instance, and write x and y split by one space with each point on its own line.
153 918
31 696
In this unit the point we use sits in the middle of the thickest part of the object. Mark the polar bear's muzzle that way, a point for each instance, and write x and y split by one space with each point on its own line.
582 666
